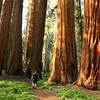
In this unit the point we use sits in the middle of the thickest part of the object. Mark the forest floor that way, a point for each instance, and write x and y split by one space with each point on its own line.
52 91
38 93
41 94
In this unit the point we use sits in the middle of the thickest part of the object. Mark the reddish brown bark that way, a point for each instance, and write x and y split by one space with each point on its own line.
90 59
4 29
14 56
33 8
37 54
64 63
37 13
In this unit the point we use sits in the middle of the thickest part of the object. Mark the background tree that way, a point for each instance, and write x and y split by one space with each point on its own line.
1 1
90 60
78 28
64 63
49 36
4 29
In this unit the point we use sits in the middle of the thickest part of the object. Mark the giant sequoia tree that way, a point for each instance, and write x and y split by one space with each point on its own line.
32 25
90 60
4 29
64 63
14 55
37 13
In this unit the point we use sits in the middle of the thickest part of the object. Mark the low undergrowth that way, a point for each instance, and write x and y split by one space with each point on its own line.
14 90
66 93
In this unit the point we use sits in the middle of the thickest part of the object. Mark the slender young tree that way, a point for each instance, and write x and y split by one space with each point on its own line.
90 59
4 29
78 29
37 13
14 56
64 63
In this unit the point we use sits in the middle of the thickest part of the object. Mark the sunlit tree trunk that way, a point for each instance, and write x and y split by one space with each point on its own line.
1 1
64 63
90 59
14 60
37 12
4 29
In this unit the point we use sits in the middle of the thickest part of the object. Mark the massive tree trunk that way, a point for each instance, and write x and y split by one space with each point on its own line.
1 1
38 46
14 59
33 4
4 29
37 13
90 59
64 63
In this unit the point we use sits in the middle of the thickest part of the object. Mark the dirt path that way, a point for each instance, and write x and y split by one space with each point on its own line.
40 94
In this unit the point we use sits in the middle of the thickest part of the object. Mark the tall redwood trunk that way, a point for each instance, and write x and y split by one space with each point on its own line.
37 13
33 8
4 29
39 35
14 59
90 59
64 63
